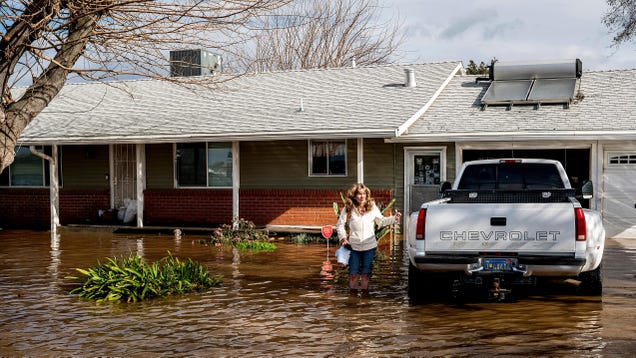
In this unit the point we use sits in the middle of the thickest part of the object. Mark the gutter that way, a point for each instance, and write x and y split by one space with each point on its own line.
226 137
405 126
507 136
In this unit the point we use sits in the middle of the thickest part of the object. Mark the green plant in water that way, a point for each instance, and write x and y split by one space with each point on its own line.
256 246
241 234
380 232
131 279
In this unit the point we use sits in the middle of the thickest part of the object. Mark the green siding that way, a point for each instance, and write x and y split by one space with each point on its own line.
159 166
284 164
85 167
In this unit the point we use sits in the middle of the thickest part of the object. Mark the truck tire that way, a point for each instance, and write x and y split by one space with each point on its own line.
416 282
591 282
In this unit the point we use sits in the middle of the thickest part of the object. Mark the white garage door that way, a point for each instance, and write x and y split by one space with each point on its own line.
619 201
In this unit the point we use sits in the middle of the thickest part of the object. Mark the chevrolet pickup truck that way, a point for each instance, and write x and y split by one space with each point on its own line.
505 222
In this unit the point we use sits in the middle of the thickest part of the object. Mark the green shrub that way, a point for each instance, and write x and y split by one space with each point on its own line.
132 279
242 234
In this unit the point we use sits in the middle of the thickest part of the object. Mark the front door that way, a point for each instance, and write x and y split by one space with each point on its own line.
124 175
424 171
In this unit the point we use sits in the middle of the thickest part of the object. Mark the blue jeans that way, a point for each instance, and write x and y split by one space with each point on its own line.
361 262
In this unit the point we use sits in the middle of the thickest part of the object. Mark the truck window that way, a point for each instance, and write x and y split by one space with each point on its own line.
511 176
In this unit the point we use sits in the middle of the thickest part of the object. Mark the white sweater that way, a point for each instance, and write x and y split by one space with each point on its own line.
361 227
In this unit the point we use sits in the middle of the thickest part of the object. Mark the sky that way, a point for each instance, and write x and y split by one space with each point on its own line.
508 30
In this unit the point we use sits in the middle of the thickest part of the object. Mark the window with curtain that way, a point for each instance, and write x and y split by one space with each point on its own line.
328 158
27 169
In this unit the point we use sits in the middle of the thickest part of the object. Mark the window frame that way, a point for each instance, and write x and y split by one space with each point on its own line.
44 169
206 146
310 159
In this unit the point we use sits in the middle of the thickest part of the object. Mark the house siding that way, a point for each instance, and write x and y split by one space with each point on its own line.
159 166
85 167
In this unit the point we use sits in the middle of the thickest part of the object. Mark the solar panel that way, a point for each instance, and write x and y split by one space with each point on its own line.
553 90
532 83
504 92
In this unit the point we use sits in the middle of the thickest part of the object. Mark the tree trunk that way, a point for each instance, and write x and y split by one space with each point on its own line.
17 115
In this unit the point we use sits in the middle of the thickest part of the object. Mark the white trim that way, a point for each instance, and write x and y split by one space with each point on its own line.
310 158
111 168
519 136
405 126
236 179
140 164
360 159
409 152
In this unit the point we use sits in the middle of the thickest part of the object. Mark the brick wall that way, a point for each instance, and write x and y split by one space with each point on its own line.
30 207
25 208
310 207
196 207
81 206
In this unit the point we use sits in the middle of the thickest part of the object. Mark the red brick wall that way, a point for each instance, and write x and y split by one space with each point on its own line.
81 206
25 208
30 207
202 207
309 207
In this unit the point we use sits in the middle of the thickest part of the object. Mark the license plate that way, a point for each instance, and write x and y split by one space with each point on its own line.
498 264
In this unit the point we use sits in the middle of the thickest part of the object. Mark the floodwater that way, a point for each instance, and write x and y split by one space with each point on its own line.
289 303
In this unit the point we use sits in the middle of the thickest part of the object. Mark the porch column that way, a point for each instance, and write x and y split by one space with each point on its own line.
236 180
140 160
54 185
360 151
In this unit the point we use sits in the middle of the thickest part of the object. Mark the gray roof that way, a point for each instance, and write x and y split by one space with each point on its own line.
607 110
345 102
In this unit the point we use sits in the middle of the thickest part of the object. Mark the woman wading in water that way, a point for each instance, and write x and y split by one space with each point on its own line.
355 228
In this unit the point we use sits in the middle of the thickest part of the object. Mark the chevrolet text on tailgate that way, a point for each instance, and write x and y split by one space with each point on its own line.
505 222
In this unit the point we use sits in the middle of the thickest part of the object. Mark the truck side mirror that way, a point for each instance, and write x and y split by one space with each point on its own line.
587 189
445 187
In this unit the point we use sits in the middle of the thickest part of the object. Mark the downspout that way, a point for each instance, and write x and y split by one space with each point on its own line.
54 186
405 126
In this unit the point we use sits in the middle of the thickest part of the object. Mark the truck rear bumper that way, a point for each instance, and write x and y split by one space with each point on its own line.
526 265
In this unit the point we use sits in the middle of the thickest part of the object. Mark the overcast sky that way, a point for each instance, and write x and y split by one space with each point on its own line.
509 30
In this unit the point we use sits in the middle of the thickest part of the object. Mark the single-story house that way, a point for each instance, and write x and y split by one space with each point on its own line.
278 148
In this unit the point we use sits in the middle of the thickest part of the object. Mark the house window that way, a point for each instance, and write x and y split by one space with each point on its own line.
204 164
328 157
27 169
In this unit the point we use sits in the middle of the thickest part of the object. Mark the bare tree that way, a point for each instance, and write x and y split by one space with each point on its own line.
45 41
322 34
621 20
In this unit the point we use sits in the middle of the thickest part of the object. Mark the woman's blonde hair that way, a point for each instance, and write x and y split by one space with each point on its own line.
351 202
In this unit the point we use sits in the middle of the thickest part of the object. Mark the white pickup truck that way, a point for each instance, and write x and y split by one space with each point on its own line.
505 222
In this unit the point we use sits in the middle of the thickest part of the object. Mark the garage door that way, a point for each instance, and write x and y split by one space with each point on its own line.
619 201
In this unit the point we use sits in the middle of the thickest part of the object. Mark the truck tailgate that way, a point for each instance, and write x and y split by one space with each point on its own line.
533 228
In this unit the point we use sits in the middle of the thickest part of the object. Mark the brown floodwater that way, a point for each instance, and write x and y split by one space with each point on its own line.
290 303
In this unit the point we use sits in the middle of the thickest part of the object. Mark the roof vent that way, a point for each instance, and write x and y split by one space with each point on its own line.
532 82
410 78
184 63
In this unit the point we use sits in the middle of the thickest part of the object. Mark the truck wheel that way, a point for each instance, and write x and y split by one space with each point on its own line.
416 282
591 282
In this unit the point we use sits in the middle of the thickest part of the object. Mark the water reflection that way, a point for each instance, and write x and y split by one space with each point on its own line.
290 302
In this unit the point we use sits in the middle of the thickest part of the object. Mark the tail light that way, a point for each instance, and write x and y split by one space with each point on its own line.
580 224
421 220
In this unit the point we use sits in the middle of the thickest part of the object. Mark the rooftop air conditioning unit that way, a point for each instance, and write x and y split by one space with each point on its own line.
185 63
